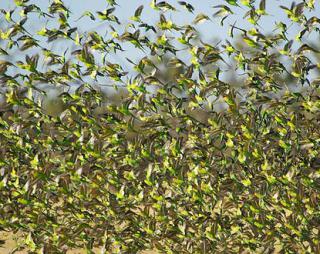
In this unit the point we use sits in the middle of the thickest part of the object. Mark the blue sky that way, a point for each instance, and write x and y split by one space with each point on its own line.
211 31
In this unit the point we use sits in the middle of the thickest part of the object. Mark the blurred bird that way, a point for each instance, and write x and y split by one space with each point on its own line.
315 163
188 6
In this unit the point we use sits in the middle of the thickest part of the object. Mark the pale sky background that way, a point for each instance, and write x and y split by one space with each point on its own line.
211 31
